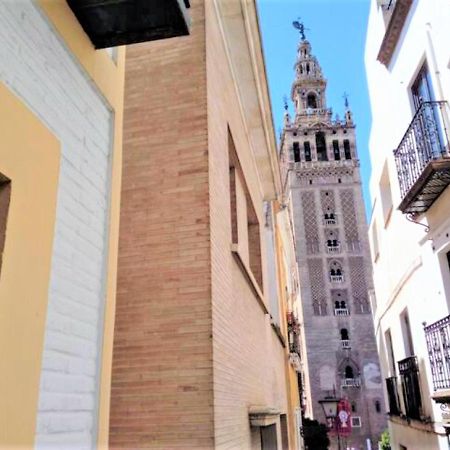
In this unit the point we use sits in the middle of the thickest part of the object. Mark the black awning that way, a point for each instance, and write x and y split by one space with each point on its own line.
110 23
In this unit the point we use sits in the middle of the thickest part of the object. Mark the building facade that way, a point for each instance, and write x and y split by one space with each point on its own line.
201 352
61 122
320 168
407 64
61 110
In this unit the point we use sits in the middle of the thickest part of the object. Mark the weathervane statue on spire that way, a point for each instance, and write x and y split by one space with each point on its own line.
300 26
345 97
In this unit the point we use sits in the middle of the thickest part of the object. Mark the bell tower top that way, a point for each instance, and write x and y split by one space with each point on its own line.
308 89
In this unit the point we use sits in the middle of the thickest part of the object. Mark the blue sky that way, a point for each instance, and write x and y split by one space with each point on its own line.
337 33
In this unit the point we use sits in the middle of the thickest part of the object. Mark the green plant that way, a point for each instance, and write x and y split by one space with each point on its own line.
385 440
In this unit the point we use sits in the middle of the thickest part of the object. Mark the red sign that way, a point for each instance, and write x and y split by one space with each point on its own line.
343 423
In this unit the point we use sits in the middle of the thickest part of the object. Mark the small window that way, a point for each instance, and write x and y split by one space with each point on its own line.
377 406
244 220
353 407
347 152
356 422
336 151
349 372
296 148
344 334
307 148
422 89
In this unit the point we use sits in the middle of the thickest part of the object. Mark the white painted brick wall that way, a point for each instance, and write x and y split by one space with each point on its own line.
38 68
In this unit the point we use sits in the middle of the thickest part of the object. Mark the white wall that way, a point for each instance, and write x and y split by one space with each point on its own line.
35 64
407 272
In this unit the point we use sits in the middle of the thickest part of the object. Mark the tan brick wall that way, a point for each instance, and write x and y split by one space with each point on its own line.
179 283
248 357
162 364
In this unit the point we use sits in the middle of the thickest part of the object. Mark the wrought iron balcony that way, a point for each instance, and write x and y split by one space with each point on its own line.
392 391
110 23
337 278
341 312
345 343
329 221
423 158
351 382
437 336
409 372
334 248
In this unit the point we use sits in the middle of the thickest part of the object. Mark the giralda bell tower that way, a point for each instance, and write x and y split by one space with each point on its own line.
320 166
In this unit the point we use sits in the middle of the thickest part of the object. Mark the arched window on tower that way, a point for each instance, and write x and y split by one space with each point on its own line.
321 147
307 149
345 339
344 334
296 149
336 275
347 152
336 151
349 372
312 101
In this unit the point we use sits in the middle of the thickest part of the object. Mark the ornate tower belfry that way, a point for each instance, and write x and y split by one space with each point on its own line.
320 165
309 86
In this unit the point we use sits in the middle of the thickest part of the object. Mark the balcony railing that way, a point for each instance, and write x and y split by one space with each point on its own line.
345 343
351 382
341 312
437 336
423 158
337 278
409 372
333 248
392 391
329 221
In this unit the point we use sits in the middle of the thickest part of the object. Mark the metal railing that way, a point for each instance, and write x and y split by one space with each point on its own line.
341 312
393 398
437 336
409 372
351 382
345 343
337 278
425 140
334 248
329 221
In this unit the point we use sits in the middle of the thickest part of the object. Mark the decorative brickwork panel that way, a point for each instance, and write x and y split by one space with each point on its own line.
310 222
349 216
316 281
327 202
359 285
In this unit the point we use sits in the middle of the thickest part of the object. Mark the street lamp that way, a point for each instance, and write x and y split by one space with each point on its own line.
330 409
